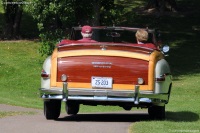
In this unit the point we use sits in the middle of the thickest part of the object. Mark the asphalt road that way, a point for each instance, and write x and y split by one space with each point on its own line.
116 122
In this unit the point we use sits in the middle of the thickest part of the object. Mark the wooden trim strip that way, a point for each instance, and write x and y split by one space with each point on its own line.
54 67
154 57
104 53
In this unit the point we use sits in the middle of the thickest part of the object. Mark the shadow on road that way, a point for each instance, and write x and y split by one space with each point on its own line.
107 117
130 117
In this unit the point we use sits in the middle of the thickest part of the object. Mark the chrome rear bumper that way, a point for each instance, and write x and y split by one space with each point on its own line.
109 95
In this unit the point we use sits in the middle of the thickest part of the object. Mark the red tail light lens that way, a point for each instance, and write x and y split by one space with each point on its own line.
44 74
161 78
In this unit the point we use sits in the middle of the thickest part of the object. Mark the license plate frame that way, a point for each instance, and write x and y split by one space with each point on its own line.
101 82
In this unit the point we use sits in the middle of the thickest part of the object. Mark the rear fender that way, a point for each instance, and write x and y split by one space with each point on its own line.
45 82
163 77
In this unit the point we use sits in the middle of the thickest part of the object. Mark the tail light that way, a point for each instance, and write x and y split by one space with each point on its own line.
162 77
44 74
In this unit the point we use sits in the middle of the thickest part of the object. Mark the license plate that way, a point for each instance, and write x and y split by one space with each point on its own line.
101 82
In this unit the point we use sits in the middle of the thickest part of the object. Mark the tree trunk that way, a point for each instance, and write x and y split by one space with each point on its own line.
96 8
17 22
13 14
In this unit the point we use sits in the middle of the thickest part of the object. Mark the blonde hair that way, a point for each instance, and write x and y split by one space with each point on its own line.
142 35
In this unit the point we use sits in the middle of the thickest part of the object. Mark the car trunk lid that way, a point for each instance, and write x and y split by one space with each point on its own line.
123 63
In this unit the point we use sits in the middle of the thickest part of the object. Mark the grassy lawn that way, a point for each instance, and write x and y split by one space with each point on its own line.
20 69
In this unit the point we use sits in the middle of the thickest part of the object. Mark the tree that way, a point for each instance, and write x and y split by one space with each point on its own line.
13 14
55 18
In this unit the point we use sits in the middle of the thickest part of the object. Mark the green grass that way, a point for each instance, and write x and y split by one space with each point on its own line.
20 69
14 113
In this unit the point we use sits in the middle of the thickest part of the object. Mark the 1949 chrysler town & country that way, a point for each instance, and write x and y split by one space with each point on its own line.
114 70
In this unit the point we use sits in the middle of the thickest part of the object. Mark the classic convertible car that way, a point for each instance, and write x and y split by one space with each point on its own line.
114 70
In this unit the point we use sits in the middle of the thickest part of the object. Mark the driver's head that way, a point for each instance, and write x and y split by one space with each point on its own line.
142 35
86 31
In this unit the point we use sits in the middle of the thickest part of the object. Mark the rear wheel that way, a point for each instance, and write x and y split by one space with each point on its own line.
52 109
157 112
72 108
